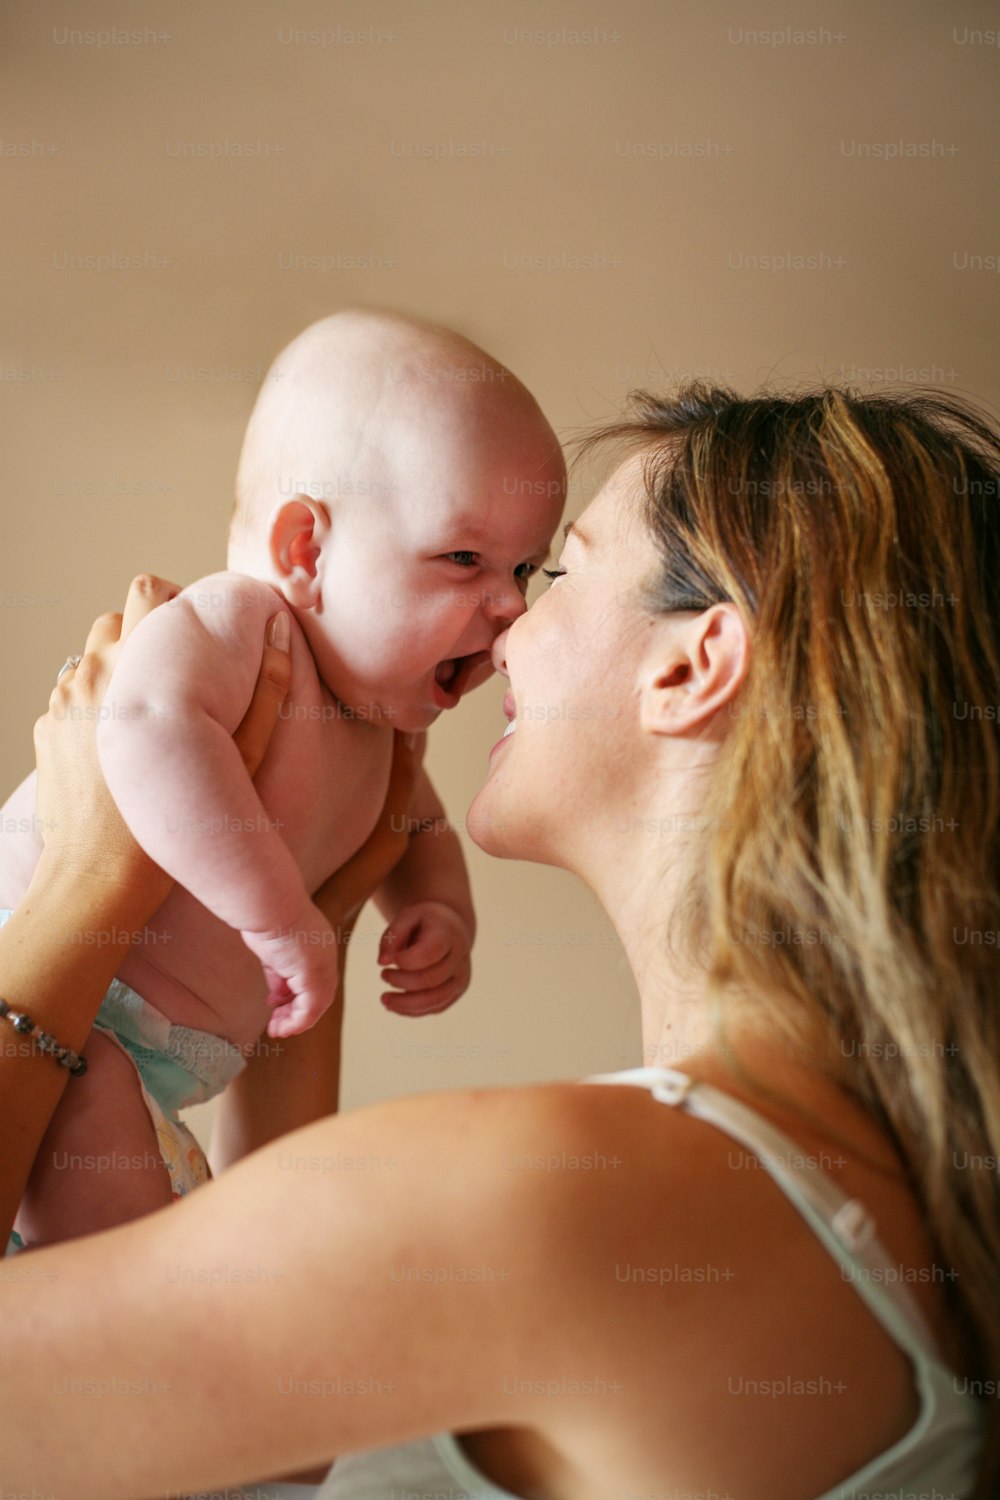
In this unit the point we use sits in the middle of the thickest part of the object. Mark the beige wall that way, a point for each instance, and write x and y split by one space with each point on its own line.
667 145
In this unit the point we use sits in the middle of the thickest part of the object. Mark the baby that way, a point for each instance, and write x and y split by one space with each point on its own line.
396 490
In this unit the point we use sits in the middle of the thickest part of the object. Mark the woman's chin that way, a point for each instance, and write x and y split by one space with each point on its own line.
482 826
490 825
506 830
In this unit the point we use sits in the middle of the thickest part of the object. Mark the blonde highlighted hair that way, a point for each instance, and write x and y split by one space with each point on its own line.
852 874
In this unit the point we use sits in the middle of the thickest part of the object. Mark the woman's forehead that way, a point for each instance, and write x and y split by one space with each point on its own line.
614 513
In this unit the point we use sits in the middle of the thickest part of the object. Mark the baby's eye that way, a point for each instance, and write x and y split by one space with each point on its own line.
523 574
463 559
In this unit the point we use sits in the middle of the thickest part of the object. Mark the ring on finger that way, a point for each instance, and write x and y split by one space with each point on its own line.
69 665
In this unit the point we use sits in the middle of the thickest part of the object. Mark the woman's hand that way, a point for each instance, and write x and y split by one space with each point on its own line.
92 881
83 831
341 898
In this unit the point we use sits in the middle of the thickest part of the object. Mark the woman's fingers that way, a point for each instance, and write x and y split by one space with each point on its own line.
407 758
346 891
145 594
105 631
81 824
108 631
273 680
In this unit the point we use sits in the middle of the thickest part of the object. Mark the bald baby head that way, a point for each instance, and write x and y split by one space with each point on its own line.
399 488
363 402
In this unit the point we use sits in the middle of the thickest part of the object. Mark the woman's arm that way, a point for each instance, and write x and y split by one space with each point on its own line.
373 1277
92 890
433 868
58 954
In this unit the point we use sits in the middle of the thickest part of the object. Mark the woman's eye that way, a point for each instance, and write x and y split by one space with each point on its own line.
463 559
553 573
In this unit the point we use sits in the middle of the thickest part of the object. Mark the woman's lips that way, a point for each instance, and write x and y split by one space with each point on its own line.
507 735
510 712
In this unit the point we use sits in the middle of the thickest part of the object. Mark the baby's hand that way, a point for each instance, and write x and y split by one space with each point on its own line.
426 953
301 967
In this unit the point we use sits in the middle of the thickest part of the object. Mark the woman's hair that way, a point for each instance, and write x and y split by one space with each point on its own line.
850 878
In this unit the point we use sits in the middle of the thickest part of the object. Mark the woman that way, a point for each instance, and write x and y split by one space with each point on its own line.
762 770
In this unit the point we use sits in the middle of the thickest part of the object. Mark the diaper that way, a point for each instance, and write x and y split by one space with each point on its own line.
176 1066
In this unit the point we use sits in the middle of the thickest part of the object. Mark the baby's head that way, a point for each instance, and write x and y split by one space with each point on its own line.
399 487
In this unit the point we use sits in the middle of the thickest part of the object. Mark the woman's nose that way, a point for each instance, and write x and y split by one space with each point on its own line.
499 652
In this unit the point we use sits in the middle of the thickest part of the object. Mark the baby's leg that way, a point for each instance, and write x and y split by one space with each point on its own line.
99 1162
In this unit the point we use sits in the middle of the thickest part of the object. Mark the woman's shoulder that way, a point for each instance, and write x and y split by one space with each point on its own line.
550 1153
699 1281
620 1196
575 1166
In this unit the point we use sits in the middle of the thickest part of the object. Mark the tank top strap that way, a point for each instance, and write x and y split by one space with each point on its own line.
843 1224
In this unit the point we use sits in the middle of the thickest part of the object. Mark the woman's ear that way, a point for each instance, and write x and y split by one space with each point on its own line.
694 667
298 529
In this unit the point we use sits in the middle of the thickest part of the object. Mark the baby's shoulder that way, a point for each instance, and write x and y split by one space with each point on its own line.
226 590
213 626
224 612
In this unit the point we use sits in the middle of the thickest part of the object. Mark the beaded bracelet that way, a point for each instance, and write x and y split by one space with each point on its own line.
75 1065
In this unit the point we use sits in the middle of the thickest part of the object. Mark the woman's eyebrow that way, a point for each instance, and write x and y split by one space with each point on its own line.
571 529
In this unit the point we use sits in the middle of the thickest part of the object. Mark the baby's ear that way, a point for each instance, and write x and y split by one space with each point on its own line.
297 529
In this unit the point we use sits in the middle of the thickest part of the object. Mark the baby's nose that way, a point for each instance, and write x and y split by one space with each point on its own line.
505 607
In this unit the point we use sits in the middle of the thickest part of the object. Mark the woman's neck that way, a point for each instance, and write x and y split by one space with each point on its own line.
679 1030
639 897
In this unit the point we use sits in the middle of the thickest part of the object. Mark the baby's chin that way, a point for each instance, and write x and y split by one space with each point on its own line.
413 719
389 710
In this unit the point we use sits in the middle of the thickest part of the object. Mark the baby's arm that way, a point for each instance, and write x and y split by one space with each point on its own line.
180 687
432 923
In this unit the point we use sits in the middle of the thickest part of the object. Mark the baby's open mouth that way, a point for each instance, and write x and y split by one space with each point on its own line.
460 674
